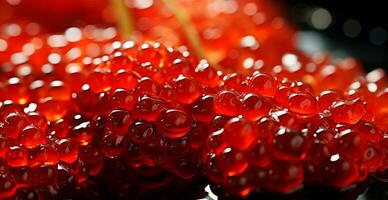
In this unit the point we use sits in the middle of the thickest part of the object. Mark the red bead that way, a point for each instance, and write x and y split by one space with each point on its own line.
31 137
149 108
255 107
8 185
17 156
215 143
286 176
118 121
124 99
148 53
43 155
327 98
240 133
373 157
289 145
174 123
282 96
147 86
67 150
100 81
43 175
339 172
124 80
14 124
187 90
203 109
348 111
113 145
369 130
350 143
167 93
52 109
263 84
231 161
141 132
198 135
58 90
207 75
178 146
235 82
38 121
227 103
3 146
259 154
302 103
82 133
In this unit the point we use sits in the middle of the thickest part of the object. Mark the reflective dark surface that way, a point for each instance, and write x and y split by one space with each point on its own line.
355 28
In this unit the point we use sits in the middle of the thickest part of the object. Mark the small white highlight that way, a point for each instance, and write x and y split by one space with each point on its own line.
334 157
73 34
54 58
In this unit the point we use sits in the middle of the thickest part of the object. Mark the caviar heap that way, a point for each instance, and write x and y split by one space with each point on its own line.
145 116
238 34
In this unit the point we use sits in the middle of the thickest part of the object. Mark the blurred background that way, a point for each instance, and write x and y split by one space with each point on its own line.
356 28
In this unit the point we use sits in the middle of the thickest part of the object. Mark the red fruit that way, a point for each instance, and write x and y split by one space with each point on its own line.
240 133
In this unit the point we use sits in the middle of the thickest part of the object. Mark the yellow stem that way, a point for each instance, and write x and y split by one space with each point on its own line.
124 18
188 27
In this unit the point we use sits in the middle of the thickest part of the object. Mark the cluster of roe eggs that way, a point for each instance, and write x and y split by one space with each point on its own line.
237 34
157 112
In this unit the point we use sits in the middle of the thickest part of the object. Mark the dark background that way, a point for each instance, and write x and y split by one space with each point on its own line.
370 45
